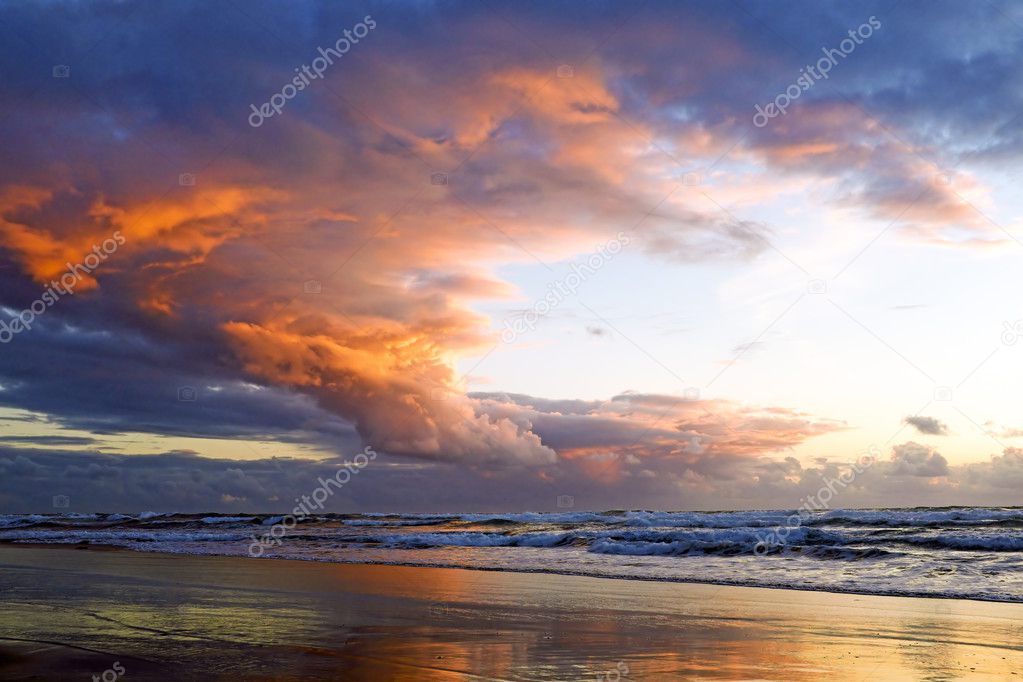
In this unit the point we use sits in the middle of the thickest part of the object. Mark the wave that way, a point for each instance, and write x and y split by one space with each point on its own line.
116 537
648 543
921 518
964 552
989 542
865 533
394 523
890 518
683 548
428 540
228 519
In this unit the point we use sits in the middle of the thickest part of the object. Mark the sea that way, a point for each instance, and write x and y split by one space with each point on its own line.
969 553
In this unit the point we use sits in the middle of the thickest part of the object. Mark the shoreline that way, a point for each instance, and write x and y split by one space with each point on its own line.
522 571
220 617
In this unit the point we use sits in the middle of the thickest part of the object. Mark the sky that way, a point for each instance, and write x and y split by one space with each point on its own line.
536 255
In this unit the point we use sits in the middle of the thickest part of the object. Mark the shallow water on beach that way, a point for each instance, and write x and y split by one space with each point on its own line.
974 553
68 614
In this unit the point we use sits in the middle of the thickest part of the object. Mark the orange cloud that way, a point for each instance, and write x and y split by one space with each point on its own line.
393 384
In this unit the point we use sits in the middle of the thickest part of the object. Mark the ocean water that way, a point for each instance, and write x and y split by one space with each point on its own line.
973 553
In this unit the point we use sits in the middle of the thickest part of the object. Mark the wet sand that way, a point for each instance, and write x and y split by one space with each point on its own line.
72 614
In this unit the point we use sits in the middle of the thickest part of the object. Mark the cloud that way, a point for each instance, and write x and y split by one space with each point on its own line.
928 425
183 481
47 440
210 289
709 437
1005 471
1000 431
120 381
913 459
214 277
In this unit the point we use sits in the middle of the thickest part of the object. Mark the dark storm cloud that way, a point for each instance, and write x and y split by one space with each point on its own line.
117 381
928 425
47 440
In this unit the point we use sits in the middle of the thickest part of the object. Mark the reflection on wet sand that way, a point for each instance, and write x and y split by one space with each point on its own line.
163 616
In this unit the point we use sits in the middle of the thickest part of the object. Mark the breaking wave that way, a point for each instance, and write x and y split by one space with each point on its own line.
962 552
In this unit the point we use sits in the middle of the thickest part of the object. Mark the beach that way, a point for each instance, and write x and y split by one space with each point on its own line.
443 341
69 613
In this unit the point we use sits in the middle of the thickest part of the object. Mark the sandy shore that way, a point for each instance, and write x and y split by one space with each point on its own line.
72 614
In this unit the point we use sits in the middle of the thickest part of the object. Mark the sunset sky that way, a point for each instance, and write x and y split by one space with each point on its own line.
522 250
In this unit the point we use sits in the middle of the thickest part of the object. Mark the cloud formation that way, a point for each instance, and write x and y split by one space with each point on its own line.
315 279
175 481
928 425
913 459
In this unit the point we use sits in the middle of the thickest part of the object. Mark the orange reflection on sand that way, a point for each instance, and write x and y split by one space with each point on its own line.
285 620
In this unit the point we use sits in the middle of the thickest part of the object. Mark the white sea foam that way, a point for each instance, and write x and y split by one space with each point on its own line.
965 552
228 519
